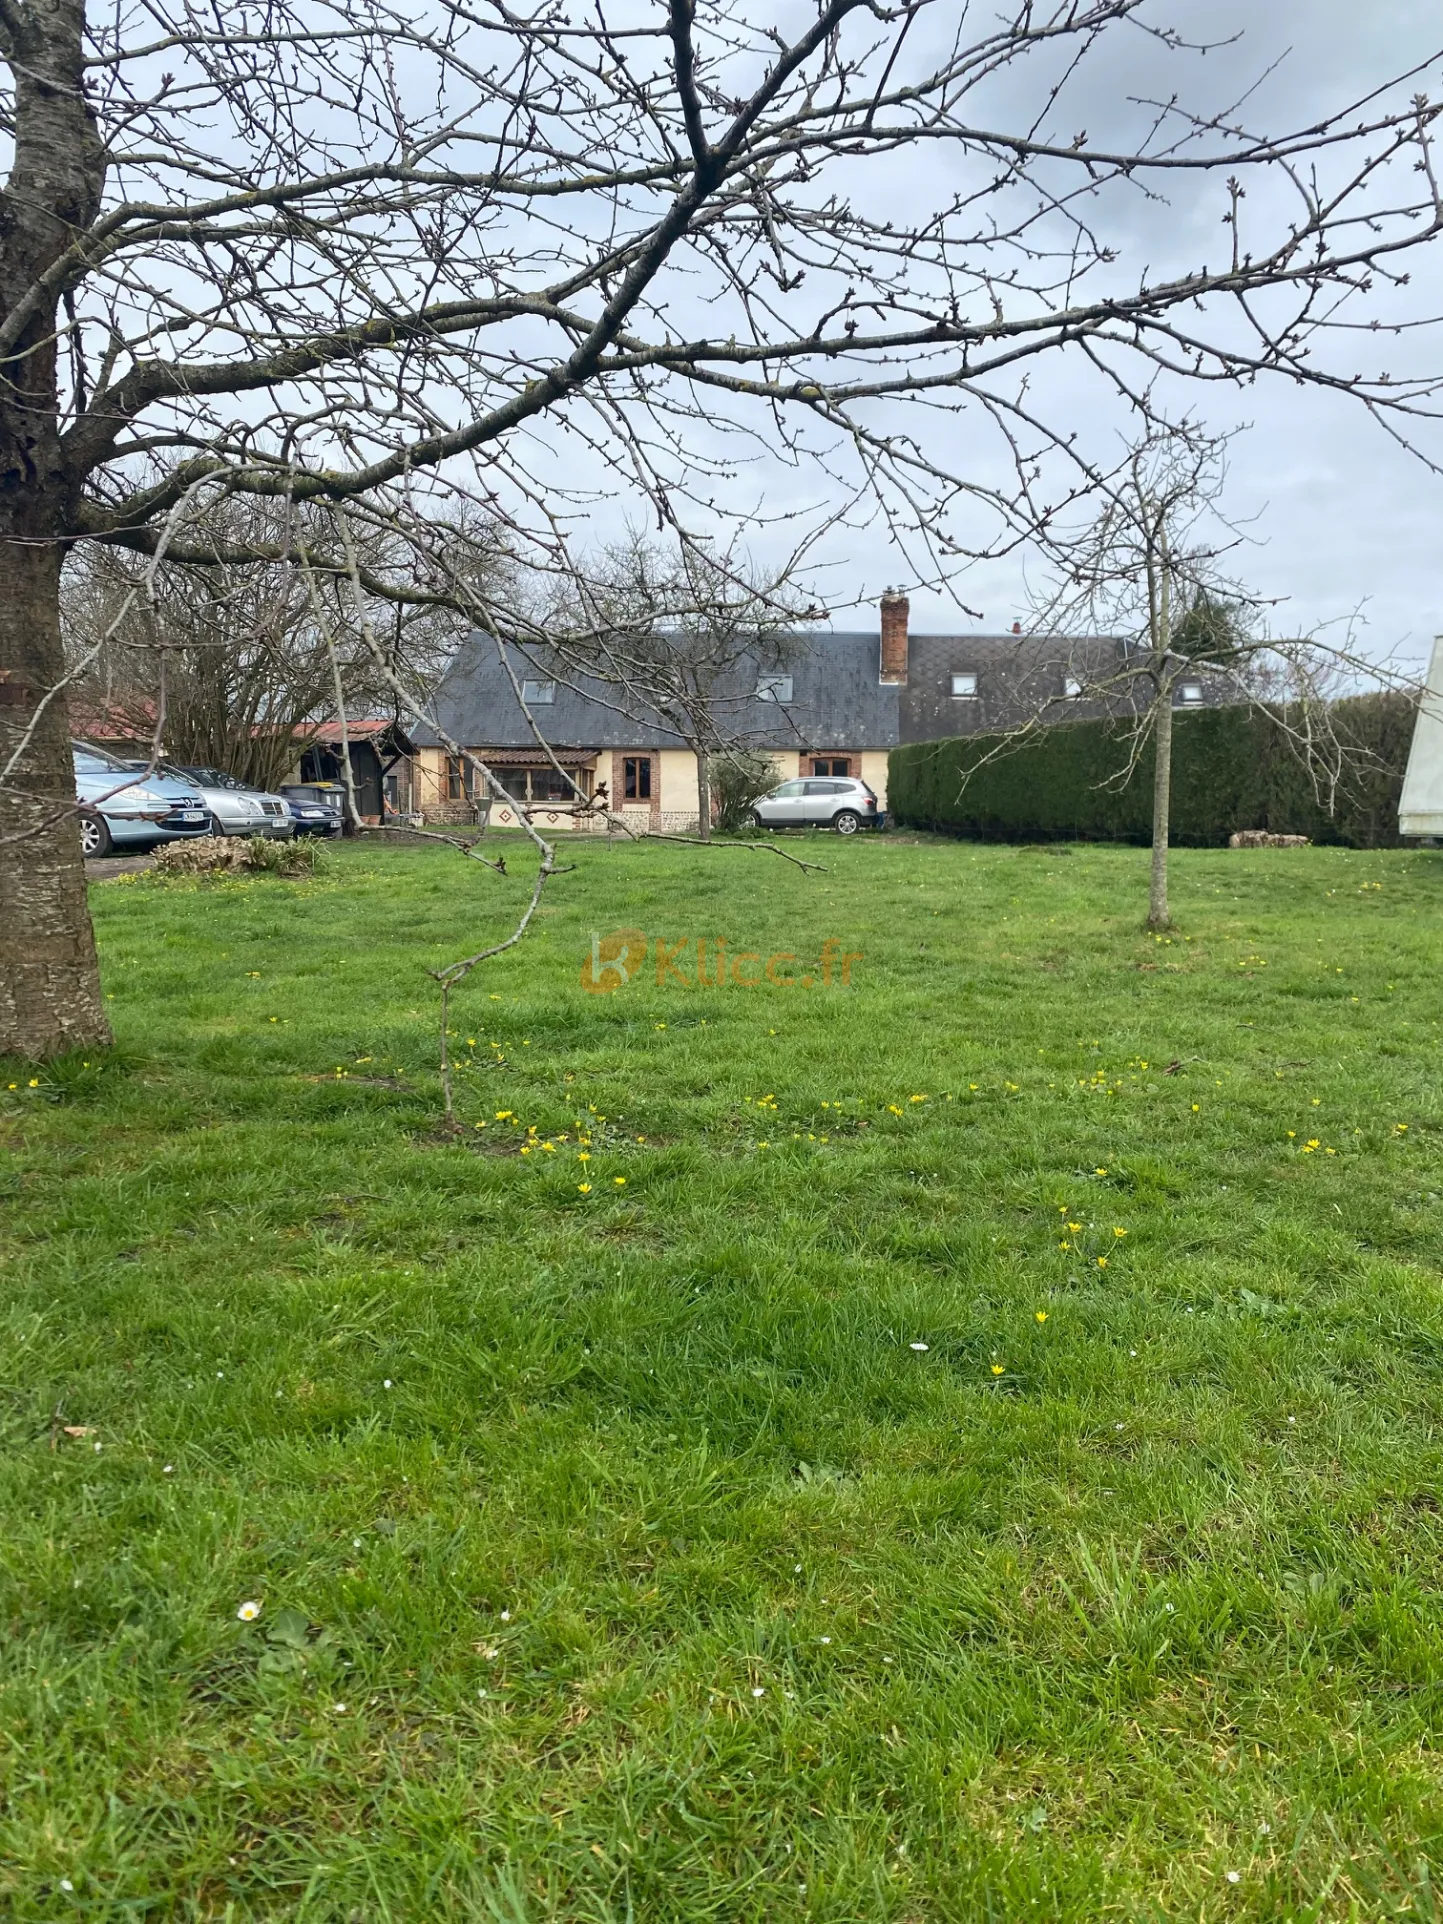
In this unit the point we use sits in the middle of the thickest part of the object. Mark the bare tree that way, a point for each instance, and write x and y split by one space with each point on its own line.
687 636
233 650
1141 605
337 256
1147 574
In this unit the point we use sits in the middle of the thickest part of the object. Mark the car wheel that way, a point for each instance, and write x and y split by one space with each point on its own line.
755 819
94 837
847 823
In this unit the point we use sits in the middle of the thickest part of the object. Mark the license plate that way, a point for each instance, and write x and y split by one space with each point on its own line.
191 815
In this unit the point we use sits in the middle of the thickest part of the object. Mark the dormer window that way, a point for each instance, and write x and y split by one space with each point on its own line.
535 693
964 686
774 688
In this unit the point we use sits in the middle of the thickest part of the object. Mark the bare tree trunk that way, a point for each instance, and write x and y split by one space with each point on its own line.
703 794
1157 915
50 997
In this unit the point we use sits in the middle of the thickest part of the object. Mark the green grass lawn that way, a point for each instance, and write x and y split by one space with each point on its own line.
963 1445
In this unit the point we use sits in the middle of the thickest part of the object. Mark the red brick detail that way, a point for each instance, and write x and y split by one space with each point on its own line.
895 610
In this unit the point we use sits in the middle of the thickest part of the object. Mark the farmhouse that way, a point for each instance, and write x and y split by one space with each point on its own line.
840 703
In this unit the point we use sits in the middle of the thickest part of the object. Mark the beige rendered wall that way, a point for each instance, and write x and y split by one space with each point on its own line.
874 772
674 793
676 770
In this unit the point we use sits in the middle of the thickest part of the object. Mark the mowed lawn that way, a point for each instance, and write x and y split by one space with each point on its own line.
965 1444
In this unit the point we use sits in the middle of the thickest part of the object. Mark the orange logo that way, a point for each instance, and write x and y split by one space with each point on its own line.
614 960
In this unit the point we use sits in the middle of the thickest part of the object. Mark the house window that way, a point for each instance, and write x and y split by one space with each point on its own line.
1190 691
460 779
1071 687
541 785
550 785
774 688
636 778
534 693
831 765
964 685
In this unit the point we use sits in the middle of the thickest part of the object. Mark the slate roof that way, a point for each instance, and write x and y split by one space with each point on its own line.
837 702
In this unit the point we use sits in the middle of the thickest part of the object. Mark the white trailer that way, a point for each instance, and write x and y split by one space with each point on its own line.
1420 807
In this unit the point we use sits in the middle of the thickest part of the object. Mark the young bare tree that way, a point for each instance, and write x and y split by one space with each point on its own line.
320 254
1147 574
1141 607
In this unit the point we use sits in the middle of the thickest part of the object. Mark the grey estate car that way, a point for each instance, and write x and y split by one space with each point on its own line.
235 808
819 801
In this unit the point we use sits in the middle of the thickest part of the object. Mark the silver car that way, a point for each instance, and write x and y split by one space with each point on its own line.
820 801
235 808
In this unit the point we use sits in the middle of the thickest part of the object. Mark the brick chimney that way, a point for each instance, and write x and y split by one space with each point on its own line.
895 608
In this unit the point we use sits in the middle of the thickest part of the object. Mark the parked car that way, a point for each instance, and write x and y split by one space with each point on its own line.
317 808
235 807
819 802
125 807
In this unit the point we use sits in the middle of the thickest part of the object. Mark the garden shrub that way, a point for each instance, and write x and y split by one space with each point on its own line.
233 855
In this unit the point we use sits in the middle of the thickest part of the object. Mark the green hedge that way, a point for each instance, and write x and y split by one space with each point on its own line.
1231 768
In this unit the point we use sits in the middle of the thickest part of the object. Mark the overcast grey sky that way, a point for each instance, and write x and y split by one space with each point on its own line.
1341 517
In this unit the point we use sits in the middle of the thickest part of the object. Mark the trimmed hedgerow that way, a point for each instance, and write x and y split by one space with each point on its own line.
1232 768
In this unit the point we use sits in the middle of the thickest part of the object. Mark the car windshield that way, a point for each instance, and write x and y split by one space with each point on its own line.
211 777
94 760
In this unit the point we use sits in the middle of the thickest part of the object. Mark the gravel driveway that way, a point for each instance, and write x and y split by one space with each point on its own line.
111 866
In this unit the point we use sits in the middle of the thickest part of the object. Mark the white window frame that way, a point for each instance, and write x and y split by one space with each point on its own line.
537 694
1071 688
777 688
1189 693
959 693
